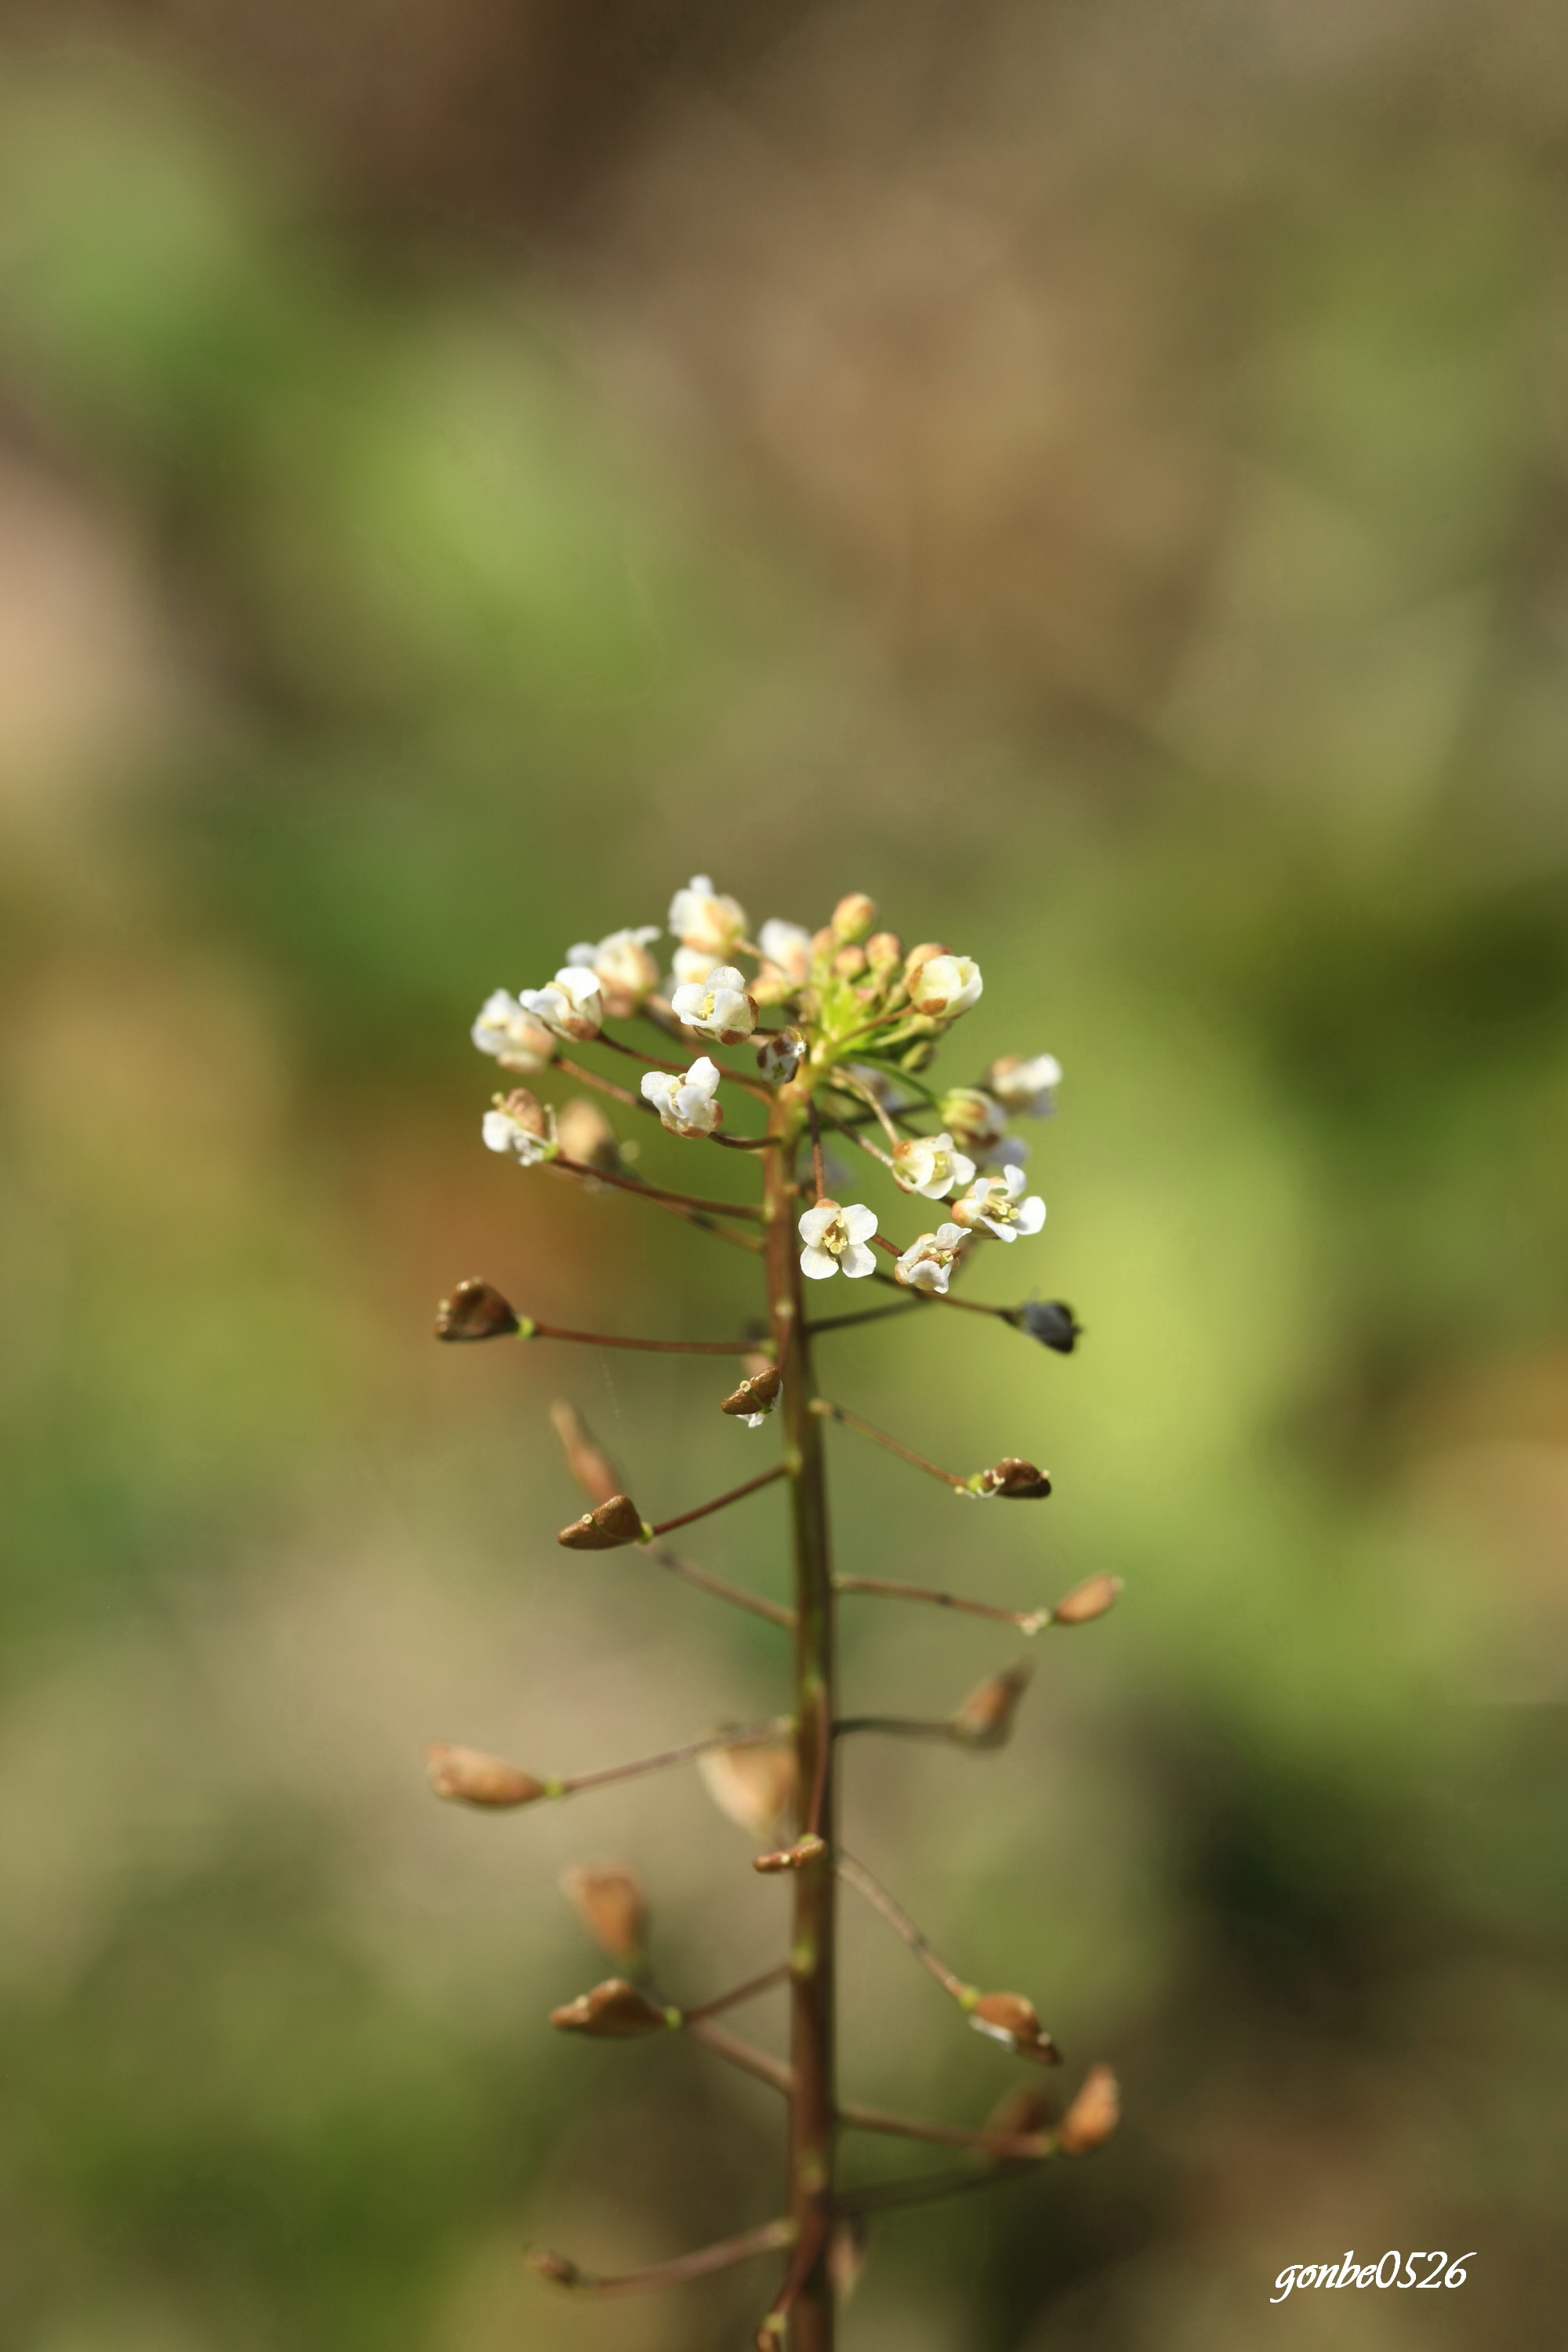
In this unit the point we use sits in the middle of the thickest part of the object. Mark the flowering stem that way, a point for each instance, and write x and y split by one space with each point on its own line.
752 1735
813 2123
1028 1621
1025 2148
684 1518
854 1875
655 1193
747 1991
828 1412
634 1102
768 2239
532 1331
773 1610
739 2053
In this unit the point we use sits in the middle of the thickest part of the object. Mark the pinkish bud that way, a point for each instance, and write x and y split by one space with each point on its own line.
525 1111
1020 1481
553 2267
1093 2114
922 954
1091 1599
588 1463
884 952
1008 2018
755 1396
755 1785
613 1523
610 1902
985 1718
586 1135
853 918
849 962
614 2011
468 1777
476 1310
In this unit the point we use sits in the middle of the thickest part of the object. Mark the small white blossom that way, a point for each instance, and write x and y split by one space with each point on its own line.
929 1165
716 1007
836 1241
945 986
517 1040
700 918
519 1126
787 946
685 1105
691 963
570 1004
623 966
780 1055
927 1262
1026 1088
976 1118
994 1203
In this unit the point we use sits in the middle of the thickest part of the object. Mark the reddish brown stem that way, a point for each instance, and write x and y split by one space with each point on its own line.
1028 1621
754 1736
686 1201
536 1330
721 1589
741 2054
769 2240
748 1991
829 1412
703 1510
1028 2149
882 2195
854 1875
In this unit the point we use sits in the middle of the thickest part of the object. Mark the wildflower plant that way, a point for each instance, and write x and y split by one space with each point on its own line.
834 1030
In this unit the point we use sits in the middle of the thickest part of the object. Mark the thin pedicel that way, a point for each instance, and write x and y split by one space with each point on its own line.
844 1025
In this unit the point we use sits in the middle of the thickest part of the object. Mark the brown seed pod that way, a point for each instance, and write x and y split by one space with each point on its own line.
586 1458
1091 1599
755 1785
476 1310
1093 2114
553 2267
467 1776
1020 1481
610 1900
606 1528
614 2011
985 1718
760 1393
792 1857
1008 2018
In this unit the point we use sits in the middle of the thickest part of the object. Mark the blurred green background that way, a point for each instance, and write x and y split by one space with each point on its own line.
1096 479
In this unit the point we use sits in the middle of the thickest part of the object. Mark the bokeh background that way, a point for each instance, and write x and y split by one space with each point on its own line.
1096 479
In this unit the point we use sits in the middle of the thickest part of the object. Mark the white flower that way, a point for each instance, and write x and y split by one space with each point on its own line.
519 1126
570 1004
698 918
927 1262
836 1241
780 1055
1026 1088
976 1118
685 1105
928 1165
716 1007
623 966
945 986
993 1201
512 1036
787 946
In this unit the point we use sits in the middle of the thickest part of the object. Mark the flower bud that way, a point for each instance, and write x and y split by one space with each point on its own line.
1019 2113
586 1135
719 1006
945 985
853 918
1051 1321
556 2268
587 1461
921 955
1026 1087
572 1004
781 1055
849 962
626 973
465 1776
614 2010
1008 2018
519 1123
985 1718
1091 1599
1014 1477
610 1902
1093 2114
606 1526
846 2256
702 919
755 1785
476 1310
884 952
514 1038
809 1848
929 1165
786 956
755 1397
975 1118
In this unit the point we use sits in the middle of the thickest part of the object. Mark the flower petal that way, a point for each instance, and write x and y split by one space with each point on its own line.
818 1265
